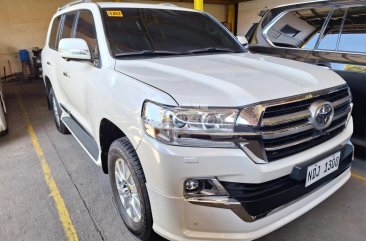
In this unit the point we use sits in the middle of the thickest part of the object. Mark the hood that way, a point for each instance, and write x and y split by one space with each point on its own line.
228 80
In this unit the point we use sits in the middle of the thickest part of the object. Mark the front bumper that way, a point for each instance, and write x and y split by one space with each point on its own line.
180 220
167 167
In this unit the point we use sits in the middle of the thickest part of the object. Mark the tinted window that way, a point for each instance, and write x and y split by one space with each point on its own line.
353 38
331 35
52 43
132 30
298 29
67 25
86 30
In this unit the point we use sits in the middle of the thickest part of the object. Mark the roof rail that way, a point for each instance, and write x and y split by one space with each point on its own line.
73 3
168 4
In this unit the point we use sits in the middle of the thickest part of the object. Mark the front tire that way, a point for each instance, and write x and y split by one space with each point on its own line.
129 188
56 111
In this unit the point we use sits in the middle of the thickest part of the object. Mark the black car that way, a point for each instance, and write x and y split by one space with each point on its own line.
331 34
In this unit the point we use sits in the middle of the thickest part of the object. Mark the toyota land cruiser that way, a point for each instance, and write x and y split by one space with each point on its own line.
201 139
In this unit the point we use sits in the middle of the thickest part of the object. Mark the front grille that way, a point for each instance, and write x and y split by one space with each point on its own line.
286 128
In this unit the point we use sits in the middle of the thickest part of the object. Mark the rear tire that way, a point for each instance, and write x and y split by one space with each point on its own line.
129 188
3 132
57 111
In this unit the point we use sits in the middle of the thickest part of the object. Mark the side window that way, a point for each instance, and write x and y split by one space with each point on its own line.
298 29
353 38
67 25
331 33
52 42
86 30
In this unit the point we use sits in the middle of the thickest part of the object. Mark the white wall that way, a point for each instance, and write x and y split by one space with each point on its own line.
247 12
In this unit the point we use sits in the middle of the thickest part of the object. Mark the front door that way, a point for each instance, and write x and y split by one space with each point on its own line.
76 75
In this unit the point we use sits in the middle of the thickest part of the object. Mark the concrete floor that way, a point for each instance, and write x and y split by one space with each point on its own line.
28 212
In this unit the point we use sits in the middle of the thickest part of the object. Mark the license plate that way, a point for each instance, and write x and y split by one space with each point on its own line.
322 168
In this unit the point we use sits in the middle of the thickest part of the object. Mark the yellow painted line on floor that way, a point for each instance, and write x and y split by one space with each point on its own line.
55 193
359 177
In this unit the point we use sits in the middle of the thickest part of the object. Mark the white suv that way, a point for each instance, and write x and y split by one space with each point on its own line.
201 139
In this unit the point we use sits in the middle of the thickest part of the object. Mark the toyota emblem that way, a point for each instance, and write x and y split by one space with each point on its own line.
322 113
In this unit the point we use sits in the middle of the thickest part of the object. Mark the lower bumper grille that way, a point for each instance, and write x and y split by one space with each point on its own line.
260 199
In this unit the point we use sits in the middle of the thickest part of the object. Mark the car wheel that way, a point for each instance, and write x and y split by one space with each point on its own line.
3 116
56 110
129 188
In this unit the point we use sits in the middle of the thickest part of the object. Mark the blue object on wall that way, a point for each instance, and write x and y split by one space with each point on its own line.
24 55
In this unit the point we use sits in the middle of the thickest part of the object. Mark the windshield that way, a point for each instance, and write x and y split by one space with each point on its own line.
156 32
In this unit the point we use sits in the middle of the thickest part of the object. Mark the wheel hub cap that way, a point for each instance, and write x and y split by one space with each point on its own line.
127 190
55 109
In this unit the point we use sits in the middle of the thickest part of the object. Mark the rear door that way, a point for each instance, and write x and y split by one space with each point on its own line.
66 31
50 54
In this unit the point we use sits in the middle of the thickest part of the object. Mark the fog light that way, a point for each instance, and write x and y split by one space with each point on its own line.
203 187
192 185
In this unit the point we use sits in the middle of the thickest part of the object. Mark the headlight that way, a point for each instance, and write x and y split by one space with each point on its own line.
205 127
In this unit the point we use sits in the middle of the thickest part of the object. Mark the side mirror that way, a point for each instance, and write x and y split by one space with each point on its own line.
74 48
243 40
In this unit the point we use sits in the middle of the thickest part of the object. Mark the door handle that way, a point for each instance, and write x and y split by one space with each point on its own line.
66 74
48 63
324 66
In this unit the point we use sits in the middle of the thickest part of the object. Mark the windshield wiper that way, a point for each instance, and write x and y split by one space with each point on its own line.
211 50
148 52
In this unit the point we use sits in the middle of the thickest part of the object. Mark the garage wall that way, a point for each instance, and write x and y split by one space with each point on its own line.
219 11
247 12
24 24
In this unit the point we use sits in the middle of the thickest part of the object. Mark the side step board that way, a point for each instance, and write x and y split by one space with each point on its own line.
86 141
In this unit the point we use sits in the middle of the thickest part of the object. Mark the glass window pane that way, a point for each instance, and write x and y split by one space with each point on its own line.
53 35
298 29
164 30
353 38
86 30
67 26
331 34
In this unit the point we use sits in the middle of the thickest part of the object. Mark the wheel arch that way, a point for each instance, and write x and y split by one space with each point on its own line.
48 86
108 133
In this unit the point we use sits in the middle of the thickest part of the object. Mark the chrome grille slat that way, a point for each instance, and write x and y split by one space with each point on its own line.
297 128
286 128
302 140
286 118
336 117
298 115
286 131
341 101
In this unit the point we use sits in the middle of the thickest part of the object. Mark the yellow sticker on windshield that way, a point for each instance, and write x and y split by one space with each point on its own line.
111 13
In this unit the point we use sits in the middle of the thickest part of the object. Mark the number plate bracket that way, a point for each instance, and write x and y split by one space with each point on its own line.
299 171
